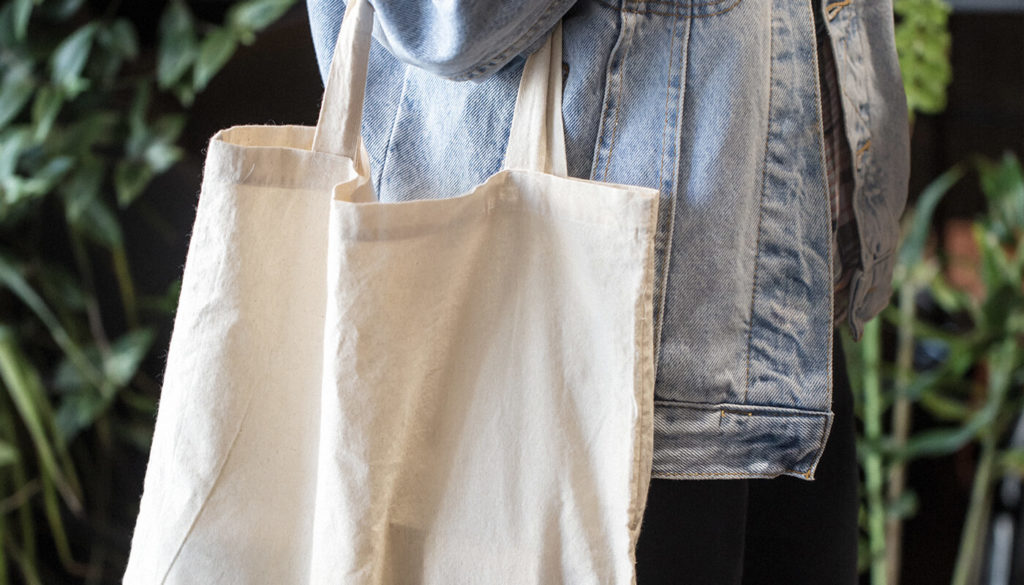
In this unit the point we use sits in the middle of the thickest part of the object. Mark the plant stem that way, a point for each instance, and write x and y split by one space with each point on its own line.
27 564
124 282
900 425
4 575
102 487
973 535
92 307
871 350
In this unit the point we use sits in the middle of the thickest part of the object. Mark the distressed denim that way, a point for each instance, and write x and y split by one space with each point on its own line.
716 103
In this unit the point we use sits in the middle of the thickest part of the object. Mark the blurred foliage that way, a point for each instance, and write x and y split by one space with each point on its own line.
994 334
923 45
962 363
88 117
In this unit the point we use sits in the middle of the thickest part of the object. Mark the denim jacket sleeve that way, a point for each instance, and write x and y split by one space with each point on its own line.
457 39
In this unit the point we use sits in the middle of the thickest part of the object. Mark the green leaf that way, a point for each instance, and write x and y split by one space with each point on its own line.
161 156
142 403
25 387
60 9
1002 182
950 299
943 441
115 43
154 144
120 37
904 507
130 179
214 52
997 272
98 223
168 128
126 354
67 379
11 279
178 47
12 146
8 453
88 132
60 288
78 411
1012 461
138 129
962 355
82 187
22 12
937 442
255 15
944 407
15 91
912 248
185 93
51 507
69 59
45 108
43 179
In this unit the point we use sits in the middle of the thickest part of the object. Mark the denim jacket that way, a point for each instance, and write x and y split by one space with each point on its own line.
716 103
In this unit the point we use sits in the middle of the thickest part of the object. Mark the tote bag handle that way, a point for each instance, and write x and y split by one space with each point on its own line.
341 112
536 140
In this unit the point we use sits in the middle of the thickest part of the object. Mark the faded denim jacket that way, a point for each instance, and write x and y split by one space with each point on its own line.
717 104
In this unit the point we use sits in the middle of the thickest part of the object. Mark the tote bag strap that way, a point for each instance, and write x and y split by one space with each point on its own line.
337 128
536 140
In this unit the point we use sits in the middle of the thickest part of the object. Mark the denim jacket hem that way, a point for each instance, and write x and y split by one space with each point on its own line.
736 441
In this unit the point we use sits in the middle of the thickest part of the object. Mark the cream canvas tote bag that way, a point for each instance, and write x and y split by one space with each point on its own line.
446 391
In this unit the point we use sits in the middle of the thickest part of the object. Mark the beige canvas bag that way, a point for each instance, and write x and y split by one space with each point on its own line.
440 391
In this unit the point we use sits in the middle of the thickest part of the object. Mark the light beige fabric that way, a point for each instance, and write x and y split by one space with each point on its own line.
431 392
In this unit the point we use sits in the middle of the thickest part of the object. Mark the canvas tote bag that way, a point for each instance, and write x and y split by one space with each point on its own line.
438 391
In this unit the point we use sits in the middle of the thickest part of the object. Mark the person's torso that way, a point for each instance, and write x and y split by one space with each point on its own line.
716 103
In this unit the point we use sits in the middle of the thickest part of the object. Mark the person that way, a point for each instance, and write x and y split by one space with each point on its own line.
776 132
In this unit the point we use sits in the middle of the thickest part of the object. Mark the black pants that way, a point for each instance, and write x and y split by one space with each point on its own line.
782 531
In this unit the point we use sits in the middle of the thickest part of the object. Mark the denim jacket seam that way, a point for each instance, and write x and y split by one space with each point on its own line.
762 410
683 65
668 93
827 198
863 172
522 41
866 269
619 77
688 6
760 201
728 474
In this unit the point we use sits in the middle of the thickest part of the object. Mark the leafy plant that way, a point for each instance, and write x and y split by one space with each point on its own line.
977 383
87 120
923 44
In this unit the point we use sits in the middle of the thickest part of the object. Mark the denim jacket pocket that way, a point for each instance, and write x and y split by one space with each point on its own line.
681 8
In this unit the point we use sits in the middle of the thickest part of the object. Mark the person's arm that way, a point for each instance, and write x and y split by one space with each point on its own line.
456 39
